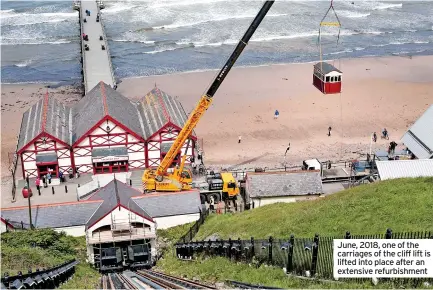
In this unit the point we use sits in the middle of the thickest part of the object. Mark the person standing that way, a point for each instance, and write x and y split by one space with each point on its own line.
211 203
49 177
45 180
374 137
240 138
329 131
38 183
276 114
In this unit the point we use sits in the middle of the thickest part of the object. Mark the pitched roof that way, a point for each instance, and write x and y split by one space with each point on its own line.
326 68
419 137
286 183
47 115
103 101
157 109
169 204
405 168
115 194
54 215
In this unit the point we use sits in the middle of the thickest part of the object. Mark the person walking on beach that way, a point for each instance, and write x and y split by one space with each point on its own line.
276 114
329 131
374 137
287 150
240 138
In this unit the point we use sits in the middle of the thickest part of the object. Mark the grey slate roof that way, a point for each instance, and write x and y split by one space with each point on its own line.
102 203
55 215
103 100
168 204
113 194
286 183
326 67
157 108
56 123
419 137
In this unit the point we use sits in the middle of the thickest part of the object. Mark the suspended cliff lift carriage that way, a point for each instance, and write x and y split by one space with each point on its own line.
326 77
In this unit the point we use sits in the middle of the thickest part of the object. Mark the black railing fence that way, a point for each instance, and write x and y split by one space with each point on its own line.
310 257
40 279
193 230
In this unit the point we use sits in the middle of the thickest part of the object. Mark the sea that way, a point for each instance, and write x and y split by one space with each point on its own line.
40 40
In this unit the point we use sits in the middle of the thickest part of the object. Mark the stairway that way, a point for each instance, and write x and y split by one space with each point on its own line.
135 179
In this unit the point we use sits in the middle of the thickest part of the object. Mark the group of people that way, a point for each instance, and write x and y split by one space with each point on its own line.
46 179
384 135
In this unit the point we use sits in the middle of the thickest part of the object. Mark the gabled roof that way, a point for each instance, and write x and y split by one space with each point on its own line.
54 215
405 168
103 101
113 195
47 115
326 68
419 137
169 204
157 109
286 183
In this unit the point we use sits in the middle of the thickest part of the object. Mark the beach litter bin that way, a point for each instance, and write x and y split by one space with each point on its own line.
27 192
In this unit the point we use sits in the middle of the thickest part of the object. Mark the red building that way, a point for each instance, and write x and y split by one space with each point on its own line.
327 78
104 132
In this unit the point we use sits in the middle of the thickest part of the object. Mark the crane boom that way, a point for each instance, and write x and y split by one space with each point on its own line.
206 99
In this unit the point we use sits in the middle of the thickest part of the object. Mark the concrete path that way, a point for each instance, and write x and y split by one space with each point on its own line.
96 62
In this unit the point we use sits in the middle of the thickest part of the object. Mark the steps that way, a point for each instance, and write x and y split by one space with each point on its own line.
135 179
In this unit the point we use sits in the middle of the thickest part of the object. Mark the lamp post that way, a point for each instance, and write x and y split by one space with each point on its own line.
29 194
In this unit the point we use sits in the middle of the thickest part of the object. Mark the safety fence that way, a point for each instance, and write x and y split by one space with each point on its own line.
40 279
308 257
15 225
193 230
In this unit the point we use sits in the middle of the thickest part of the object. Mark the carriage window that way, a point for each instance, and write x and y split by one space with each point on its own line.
327 79
332 79
339 78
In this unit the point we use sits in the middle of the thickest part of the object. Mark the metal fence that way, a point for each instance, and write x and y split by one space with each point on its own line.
40 279
310 257
193 230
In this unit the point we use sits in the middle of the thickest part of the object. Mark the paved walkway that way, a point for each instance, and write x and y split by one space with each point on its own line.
96 62
47 196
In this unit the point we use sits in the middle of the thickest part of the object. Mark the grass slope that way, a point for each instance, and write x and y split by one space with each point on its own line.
45 248
402 205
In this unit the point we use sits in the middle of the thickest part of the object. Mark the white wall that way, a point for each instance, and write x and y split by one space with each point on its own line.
172 221
2 227
119 216
76 231
287 199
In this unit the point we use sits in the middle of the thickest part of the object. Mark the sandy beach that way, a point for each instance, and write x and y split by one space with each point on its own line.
389 92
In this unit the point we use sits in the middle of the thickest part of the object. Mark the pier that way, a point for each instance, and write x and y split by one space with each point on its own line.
95 54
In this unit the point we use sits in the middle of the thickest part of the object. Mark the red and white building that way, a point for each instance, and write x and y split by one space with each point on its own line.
104 132
327 78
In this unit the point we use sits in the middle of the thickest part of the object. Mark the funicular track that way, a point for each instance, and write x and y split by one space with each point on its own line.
146 279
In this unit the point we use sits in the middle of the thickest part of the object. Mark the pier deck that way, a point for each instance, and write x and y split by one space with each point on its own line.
96 62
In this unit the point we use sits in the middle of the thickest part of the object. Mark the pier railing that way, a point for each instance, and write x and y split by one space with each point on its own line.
107 48
83 54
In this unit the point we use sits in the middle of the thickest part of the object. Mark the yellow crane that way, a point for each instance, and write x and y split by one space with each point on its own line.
179 178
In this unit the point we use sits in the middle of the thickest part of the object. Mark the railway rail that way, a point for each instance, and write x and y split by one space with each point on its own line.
146 279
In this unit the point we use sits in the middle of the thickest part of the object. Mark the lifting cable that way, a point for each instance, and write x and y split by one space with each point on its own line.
335 24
